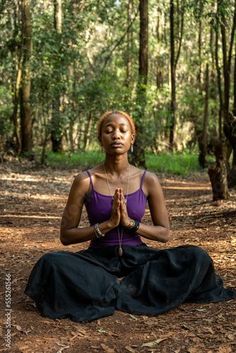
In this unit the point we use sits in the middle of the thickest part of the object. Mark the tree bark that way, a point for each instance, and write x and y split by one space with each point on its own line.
219 81
56 124
129 44
172 78
25 108
203 142
138 156
234 103
218 173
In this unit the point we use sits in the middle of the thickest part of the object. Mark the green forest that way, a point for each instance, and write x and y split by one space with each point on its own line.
170 64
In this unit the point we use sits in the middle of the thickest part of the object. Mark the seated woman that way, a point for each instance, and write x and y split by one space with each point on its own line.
118 270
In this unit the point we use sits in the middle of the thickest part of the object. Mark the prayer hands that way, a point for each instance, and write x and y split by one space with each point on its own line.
119 213
116 213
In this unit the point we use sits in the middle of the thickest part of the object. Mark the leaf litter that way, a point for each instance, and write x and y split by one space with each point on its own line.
29 222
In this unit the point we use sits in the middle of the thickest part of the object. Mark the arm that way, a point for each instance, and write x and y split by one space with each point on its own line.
70 233
160 230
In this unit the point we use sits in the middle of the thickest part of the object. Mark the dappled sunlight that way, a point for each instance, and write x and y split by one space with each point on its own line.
187 187
37 196
29 216
30 228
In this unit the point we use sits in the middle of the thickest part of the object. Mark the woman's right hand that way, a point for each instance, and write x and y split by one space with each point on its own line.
115 213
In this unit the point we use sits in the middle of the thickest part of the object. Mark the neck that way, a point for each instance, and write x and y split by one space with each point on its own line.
116 164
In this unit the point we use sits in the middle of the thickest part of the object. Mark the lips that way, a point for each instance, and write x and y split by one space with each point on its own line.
117 144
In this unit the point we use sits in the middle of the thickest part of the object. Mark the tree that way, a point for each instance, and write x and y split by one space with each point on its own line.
174 58
56 122
25 89
139 147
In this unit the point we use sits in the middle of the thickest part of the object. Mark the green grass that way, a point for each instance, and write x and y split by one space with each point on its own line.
79 159
181 164
173 163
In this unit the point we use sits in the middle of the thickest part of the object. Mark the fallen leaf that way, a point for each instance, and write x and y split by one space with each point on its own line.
107 349
154 343
130 349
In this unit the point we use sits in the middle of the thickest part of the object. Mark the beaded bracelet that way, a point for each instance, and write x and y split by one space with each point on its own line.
98 232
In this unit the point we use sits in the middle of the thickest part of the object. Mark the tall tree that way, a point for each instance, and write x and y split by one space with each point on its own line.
139 147
25 89
203 136
176 35
56 123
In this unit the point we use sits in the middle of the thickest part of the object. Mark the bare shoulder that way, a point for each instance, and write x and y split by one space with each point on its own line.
151 183
81 183
151 178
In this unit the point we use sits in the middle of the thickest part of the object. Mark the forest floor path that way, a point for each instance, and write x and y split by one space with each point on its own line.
32 201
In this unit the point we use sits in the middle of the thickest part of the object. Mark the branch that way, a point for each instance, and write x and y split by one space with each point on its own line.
119 41
180 37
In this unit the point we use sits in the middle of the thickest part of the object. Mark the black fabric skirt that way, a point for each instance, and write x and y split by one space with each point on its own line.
86 285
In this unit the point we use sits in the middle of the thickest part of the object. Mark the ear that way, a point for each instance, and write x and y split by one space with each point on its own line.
132 139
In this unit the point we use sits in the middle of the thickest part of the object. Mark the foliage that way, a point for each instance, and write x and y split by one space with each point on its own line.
182 164
92 66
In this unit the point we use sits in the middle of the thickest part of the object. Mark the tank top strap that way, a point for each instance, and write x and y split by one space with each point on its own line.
90 177
142 179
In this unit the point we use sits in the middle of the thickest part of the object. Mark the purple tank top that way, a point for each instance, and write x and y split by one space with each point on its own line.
99 207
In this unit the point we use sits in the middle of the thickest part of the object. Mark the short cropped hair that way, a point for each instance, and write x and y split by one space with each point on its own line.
113 112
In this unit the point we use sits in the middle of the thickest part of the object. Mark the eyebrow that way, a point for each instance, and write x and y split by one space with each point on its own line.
110 123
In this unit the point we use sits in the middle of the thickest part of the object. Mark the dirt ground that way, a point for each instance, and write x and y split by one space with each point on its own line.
32 201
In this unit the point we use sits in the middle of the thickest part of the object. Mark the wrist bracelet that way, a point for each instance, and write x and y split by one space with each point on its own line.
98 232
134 226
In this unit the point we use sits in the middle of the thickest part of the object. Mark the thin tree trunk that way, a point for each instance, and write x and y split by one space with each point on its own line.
199 78
172 77
56 130
25 109
15 118
138 156
234 103
203 142
219 82
87 131
129 43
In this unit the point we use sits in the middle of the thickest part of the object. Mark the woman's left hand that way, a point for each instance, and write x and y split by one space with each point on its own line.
124 217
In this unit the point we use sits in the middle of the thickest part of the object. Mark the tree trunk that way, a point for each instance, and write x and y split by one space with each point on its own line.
129 44
87 131
25 109
219 82
234 103
138 156
199 76
172 78
203 142
218 173
56 124
229 120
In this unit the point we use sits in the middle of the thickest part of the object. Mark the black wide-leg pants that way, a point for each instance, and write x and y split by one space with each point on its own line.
84 285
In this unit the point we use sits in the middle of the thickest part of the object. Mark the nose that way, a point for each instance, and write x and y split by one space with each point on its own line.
116 134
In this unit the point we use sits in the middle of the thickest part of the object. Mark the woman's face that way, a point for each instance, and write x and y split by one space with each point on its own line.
116 134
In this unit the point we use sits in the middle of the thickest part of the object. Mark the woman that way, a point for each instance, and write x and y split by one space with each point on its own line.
118 270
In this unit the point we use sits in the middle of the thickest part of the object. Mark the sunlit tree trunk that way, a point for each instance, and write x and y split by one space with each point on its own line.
25 108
